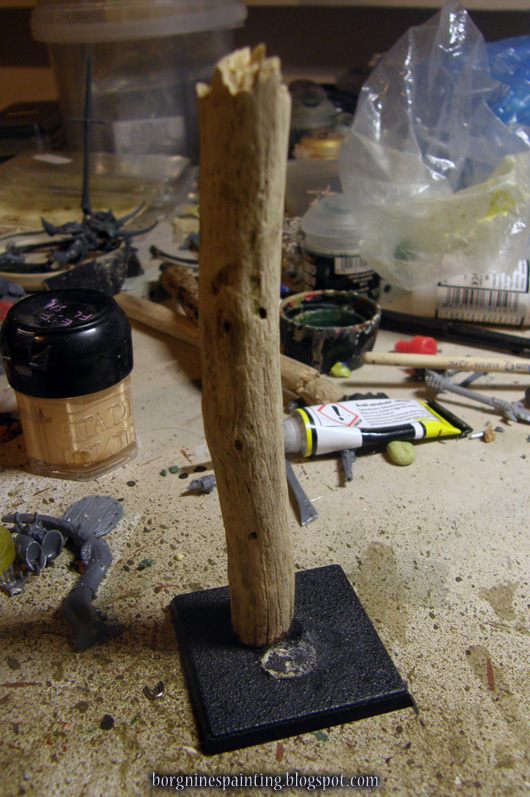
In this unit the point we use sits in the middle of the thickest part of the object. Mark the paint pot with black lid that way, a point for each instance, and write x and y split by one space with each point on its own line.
330 249
68 356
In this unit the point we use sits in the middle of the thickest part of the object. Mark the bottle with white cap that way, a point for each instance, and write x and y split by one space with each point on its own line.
330 249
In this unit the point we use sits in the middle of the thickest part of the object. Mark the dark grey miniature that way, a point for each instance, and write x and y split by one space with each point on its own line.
82 525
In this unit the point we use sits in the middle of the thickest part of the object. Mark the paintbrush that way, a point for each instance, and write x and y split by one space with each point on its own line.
441 362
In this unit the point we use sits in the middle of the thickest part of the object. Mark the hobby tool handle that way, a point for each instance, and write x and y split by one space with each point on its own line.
458 332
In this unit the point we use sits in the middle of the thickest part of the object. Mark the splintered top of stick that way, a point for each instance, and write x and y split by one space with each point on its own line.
240 71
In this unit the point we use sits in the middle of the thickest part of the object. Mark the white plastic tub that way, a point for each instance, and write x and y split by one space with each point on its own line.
146 57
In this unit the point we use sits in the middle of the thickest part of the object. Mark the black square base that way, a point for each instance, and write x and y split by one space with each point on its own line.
238 703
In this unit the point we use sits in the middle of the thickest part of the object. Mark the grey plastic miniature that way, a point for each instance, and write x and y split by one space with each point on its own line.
511 411
36 545
347 458
308 513
13 583
83 524
30 552
204 484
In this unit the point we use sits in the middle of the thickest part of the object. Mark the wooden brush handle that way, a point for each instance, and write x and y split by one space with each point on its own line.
448 362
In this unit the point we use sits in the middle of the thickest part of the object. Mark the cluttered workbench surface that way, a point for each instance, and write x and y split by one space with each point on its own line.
342 601
437 553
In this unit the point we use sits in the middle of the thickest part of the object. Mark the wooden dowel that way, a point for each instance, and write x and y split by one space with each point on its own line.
300 379
178 282
308 383
450 363
157 316
244 126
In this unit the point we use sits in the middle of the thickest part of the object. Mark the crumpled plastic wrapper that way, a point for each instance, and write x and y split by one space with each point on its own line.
438 184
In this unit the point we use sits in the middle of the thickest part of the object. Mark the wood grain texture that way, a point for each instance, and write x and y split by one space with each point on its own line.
244 124
178 282
298 378
157 316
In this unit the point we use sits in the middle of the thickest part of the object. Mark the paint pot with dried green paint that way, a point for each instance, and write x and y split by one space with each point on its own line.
320 328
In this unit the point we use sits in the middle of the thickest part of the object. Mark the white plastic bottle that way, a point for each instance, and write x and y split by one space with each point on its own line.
494 298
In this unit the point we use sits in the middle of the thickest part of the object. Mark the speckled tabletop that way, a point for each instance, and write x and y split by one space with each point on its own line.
437 552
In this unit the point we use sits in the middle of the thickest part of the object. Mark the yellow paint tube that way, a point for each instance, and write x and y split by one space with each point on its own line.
366 423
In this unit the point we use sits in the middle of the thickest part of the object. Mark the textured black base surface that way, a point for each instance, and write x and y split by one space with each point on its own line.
237 703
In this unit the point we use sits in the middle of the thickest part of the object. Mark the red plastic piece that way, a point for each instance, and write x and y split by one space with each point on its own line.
5 304
420 344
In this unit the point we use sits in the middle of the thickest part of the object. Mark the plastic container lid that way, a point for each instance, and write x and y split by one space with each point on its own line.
92 21
329 227
66 343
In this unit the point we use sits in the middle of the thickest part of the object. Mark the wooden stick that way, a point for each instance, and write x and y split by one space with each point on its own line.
157 316
178 282
300 379
244 127
443 363
307 382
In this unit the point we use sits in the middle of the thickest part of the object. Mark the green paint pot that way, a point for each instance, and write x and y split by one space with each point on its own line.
320 328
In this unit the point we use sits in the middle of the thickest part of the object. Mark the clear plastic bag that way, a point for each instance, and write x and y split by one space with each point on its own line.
438 184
